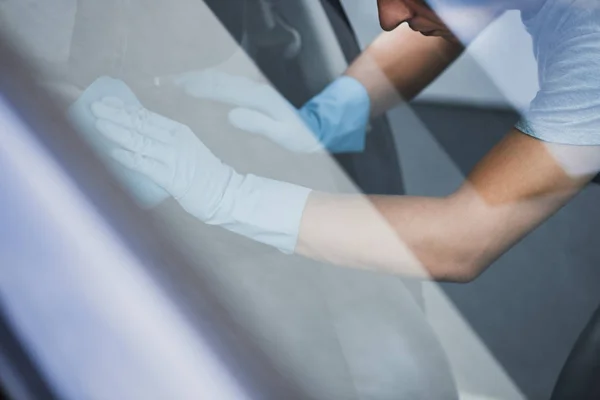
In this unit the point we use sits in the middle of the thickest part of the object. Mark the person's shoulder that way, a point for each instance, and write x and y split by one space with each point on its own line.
575 17
563 16
565 29
567 107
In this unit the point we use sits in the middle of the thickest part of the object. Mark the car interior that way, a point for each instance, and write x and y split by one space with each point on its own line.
158 305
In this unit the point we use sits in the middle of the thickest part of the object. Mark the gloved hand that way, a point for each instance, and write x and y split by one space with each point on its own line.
170 155
147 193
337 117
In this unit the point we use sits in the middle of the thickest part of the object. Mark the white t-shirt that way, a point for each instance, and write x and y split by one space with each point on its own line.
566 39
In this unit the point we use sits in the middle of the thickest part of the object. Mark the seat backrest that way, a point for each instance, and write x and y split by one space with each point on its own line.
580 376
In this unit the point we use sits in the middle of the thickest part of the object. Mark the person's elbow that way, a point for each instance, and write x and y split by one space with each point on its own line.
451 264
458 261
459 270
462 247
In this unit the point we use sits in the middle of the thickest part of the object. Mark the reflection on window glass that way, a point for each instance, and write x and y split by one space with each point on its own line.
319 183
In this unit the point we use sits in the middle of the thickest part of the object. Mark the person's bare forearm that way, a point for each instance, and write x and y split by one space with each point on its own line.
446 239
511 191
398 65
364 232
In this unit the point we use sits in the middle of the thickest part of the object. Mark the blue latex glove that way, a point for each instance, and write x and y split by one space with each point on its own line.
336 119
145 191
339 115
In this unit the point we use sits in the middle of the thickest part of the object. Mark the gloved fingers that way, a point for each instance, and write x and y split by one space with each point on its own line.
133 141
114 102
144 118
235 90
114 110
158 125
135 117
291 136
156 171
254 122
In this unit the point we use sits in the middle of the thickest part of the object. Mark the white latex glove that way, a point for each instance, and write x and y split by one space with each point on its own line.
147 193
171 155
336 120
261 109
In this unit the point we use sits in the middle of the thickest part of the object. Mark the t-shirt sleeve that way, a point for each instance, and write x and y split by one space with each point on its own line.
566 110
